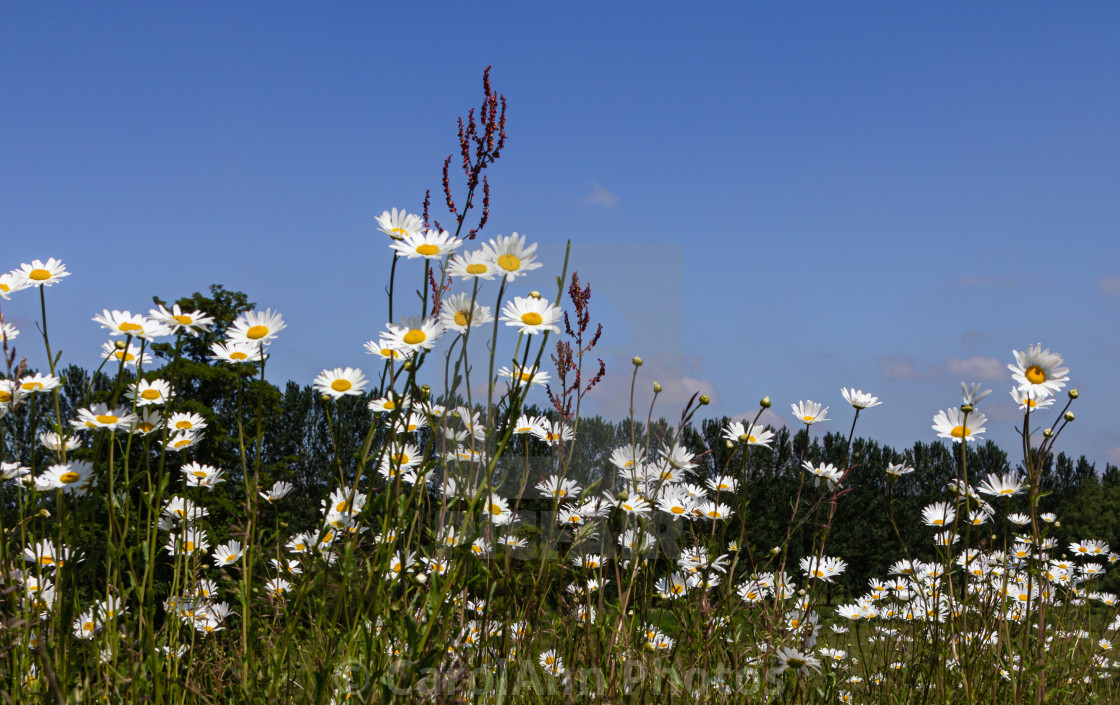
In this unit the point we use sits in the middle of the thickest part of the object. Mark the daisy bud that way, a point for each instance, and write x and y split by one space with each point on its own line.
637 361
425 391
744 438
407 365
421 578
534 294
728 444
776 550
1058 524
44 513
1046 433
656 387
968 408
704 400
765 403
623 495
325 397
1073 394
119 344
1069 416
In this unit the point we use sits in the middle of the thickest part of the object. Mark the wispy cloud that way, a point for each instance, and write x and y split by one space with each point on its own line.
1112 455
1110 285
601 196
971 338
977 368
903 367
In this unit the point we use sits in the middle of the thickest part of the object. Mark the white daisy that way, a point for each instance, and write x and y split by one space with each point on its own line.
531 315
399 224
430 245
511 255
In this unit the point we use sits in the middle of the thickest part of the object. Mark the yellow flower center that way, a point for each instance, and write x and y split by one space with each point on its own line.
415 336
342 506
532 318
677 510
200 473
184 424
46 560
808 419
678 588
181 443
402 459
575 519
256 332
301 547
231 558
67 477
124 355
794 623
341 385
495 509
476 269
390 405
5 395
1035 374
462 318
39 275
627 507
189 545
129 326
510 263
938 522
150 394
31 386
427 250
107 418
960 432
238 355
89 626
397 567
183 320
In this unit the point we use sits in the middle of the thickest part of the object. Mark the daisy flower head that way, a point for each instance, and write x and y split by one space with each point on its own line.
187 421
951 424
468 265
430 245
11 283
128 323
1030 401
399 224
8 333
101 416
383 347
754 435
147 421
511 255
823 568
414 334
279 490
531 314
792 659
520 377
179 321
128 354
256 328
457 313
148 392
33 384
809 412
1039 371
199 475
971 394
39 273
859 398
75 477
1001 485
899 469
227 553
340 382
11 393
237 352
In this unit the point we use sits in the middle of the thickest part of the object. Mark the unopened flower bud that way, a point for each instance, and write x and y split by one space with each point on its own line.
1046 433
968 408
44 513
728 444
765 403
534 294
744 438
656 387
425 391
421 578
704 400
1069 416
325 397
776 550
119 344
407 365
637 361
1073 394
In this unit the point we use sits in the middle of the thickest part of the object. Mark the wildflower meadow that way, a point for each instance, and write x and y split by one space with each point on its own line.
444 526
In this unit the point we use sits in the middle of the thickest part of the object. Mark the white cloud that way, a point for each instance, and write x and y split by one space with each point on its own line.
680 377
1110 285
901 367
768 418
601 196
980 368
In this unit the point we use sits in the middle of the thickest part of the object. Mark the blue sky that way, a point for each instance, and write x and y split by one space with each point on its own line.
767 198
